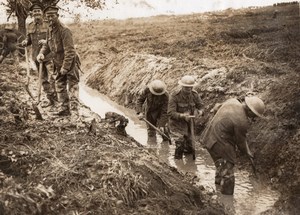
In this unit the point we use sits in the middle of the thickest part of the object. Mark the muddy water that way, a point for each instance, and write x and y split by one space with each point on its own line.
250 197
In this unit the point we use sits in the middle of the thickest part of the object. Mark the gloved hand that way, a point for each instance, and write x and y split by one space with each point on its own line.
140 116
40 57
42 42
24 43
63 71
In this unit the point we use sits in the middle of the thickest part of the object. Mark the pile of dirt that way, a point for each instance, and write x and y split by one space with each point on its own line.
58 166
231 53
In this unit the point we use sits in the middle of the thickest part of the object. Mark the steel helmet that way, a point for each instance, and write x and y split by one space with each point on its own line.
256 105
157 87
187 81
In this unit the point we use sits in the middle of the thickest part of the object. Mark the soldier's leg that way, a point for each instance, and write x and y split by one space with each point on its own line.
151 131
179 150
73 87
47 87
62 95
218 161
226 173
188 145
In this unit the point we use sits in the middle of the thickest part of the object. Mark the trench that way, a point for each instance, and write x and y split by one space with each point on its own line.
251 196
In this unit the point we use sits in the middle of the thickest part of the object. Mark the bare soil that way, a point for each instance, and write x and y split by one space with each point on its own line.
56 166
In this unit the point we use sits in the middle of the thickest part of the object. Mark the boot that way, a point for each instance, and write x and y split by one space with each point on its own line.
227 185
178 150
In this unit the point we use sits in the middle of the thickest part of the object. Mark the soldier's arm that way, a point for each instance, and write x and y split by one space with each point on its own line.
164 111
172 108
140 101
45 47
240 135
197 100
69 49
28 39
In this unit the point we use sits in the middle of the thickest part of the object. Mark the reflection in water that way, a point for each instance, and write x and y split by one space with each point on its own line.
250 197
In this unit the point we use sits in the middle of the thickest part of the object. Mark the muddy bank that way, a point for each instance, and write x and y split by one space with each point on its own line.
74 166
231 53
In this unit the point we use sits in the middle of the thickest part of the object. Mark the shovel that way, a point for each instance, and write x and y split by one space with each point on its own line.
193 135
158 130
40 82
34 105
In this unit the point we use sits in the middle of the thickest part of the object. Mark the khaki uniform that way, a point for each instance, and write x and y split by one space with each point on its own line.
226 131
60 45
155 109
182 103
37 31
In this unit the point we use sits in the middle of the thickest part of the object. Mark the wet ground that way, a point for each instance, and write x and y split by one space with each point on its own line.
251 195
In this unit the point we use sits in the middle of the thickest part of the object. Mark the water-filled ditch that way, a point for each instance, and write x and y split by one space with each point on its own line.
251 196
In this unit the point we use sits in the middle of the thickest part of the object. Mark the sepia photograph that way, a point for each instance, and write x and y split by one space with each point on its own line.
149 107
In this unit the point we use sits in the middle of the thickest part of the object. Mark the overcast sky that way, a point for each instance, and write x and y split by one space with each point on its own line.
122 9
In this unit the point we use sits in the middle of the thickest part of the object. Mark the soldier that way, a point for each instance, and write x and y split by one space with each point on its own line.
226 131
10 40
66 61
36 37
155 98
184 105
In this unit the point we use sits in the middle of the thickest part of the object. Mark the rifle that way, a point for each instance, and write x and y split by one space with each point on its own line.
158 130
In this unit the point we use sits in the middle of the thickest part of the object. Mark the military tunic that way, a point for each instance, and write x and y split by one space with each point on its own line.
155 108
181 102
60 45
228 129
225 131
36 31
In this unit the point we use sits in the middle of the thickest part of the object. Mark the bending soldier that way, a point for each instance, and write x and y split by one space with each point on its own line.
155 98
36 37
66 61
183 106
226 131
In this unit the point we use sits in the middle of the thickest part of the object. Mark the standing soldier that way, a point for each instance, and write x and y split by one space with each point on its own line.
155 98
226 131
66 61
183 107
36 37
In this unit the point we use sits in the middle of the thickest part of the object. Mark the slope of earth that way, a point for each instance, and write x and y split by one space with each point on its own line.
55 166
231 53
